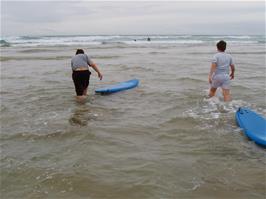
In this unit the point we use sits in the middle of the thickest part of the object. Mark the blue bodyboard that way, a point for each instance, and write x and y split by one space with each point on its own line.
118 87
253 125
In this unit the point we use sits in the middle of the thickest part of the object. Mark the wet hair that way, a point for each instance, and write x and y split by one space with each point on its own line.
80 51
221 45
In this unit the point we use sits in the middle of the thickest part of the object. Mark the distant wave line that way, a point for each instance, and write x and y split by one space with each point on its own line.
35 41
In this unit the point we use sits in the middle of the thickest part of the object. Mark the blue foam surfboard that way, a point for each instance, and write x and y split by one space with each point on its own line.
118 87
253 125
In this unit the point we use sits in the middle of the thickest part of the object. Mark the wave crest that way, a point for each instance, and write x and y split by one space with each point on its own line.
4 43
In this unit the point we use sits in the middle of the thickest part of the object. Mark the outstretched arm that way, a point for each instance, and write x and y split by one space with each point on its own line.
94 66
212 70
232 75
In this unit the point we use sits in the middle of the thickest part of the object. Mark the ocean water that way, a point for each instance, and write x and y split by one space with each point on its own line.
31 41
164 139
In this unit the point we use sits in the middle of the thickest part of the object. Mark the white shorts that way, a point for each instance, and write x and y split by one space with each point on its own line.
221 80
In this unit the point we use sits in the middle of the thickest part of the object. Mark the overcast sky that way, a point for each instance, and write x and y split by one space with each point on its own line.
138 17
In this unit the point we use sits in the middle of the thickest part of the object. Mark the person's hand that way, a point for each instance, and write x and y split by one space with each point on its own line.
210 80
232 76
100 76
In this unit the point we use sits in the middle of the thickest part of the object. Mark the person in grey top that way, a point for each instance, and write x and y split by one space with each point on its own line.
219 73
81 75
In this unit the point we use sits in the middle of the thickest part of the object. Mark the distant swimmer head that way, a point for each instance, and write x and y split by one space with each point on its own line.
80 51
221 45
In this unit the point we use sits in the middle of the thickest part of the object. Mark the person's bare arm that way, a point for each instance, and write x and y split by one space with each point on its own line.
212 70
232 75
94 66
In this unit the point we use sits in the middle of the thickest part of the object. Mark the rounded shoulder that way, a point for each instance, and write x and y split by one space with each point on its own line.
230 56
216 55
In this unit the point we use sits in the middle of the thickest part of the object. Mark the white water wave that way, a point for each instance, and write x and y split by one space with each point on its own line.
214 108
127 39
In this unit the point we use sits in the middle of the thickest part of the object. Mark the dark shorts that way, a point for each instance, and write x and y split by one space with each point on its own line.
81 81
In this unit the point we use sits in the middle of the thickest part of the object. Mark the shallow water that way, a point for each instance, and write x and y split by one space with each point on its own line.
164 139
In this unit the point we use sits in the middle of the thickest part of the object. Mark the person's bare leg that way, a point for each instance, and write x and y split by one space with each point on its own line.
212 92
81 98
85 91
226 94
